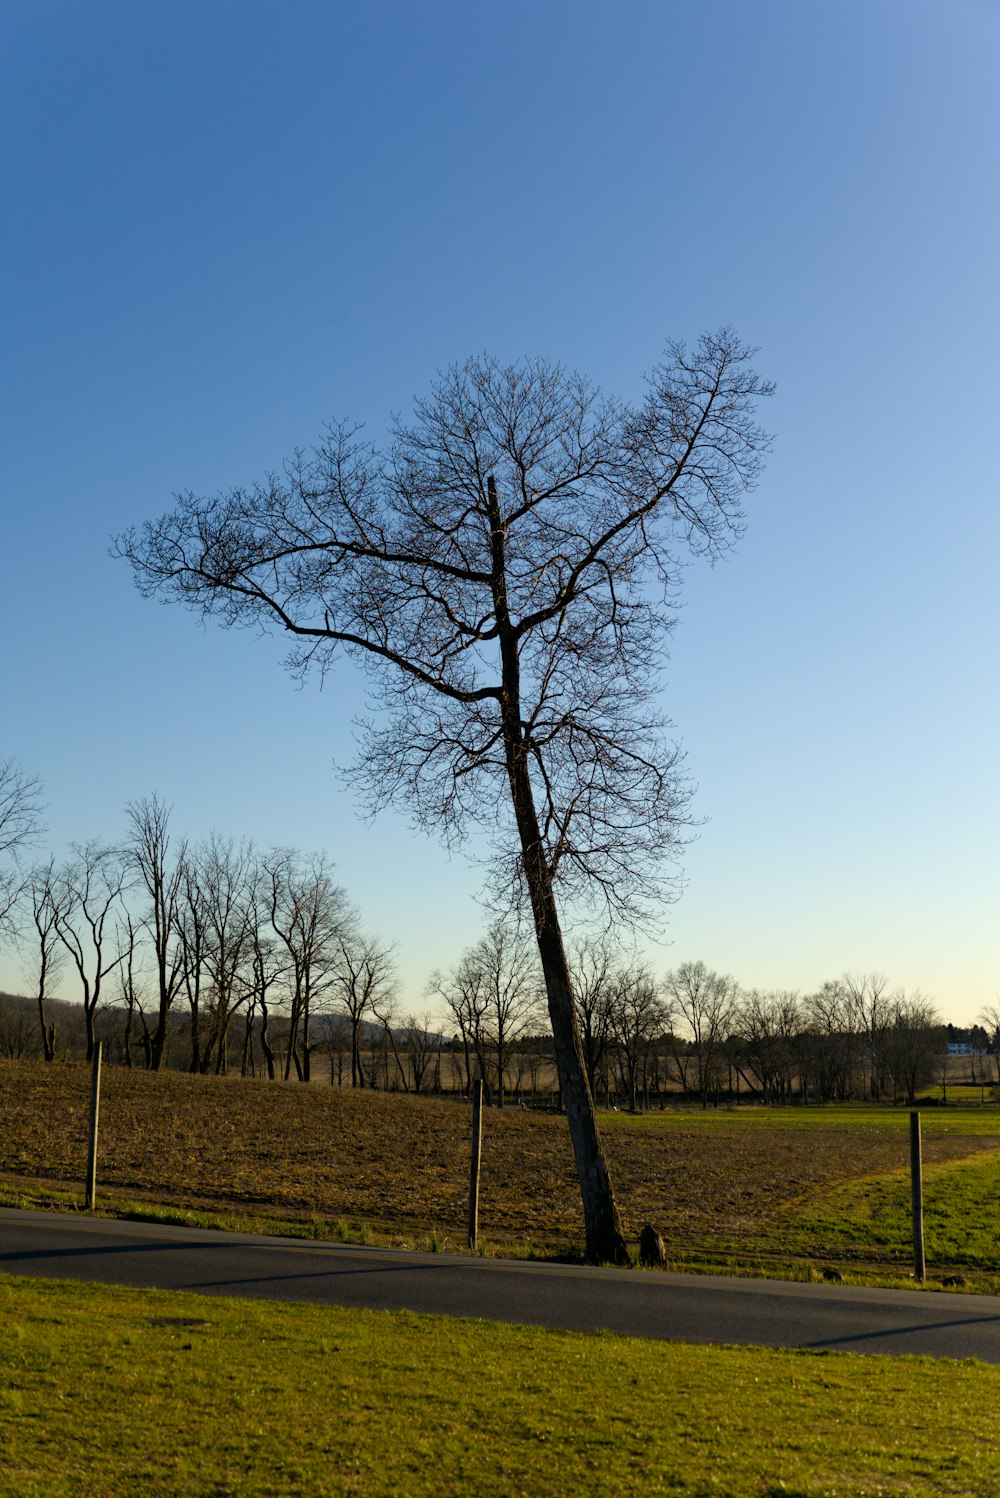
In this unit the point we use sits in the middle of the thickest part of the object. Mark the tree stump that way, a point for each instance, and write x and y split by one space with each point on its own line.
652 1252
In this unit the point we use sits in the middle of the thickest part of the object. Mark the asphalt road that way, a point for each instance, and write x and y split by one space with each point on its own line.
684 1308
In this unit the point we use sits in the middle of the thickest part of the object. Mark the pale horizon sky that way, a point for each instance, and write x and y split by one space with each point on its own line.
227 224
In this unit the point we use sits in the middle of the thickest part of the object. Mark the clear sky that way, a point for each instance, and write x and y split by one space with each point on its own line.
225 224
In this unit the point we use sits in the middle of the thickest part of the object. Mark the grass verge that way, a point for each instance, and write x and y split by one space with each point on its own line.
107 1391
873 1216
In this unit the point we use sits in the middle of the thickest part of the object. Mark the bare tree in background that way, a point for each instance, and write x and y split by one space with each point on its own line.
593 966
18 1032
385 1009
364 977
225 871
506 984
463 990
48 953
161 873
872 1007
421 1044
913 1043
20 823
768 1025
191 918
308 913
337 1040
505 573
637 1017
833 1055
89 892
989 1018
130 988
704 1003
268 969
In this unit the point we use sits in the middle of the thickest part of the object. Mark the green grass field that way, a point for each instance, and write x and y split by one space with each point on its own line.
968 1121
864 1226
111 1392
961 1217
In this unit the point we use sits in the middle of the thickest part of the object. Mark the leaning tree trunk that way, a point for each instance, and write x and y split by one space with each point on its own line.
605 1238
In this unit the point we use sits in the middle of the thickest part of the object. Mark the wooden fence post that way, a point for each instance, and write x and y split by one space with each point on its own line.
477 1140
95 1109
917 1197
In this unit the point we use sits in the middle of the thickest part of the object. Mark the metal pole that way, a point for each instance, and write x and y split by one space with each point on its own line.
917 1196
95 1109
477 1140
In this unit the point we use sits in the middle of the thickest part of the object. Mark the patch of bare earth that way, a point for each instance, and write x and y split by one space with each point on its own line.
401 1162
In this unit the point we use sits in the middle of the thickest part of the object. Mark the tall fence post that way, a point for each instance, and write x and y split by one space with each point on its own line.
917 1197
477 1140
95 1110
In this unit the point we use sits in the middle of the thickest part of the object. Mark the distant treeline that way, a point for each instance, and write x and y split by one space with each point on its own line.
761 1047
217 956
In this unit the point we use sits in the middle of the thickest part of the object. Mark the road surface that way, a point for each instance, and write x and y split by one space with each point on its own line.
684 1308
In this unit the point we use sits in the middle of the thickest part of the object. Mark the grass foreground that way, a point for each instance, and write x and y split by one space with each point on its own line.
108 1391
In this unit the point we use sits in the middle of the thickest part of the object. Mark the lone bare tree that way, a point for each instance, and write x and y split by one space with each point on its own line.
504 572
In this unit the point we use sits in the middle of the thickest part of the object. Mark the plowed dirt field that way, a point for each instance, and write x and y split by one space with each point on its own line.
400 1163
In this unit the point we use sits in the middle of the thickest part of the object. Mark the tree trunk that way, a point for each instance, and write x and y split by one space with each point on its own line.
158 1039
605 1241
265 1041
157 1042
48 1031
357 1070
306 1043
88 1020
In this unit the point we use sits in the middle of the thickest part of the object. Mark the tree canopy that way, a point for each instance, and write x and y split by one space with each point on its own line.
504 570
519 506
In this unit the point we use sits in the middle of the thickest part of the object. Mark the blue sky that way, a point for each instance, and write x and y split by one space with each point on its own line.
226 224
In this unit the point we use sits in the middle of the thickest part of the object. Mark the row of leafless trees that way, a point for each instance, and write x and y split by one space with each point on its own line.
694 1031
220 931
855 1038
227 954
